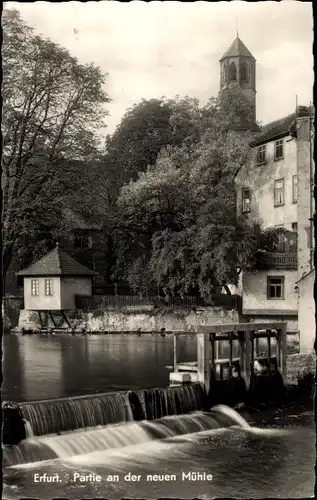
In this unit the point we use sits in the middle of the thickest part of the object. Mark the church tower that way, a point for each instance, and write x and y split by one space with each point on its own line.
237 69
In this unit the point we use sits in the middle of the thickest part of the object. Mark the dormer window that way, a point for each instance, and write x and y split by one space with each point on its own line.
261 154
244 72
232 72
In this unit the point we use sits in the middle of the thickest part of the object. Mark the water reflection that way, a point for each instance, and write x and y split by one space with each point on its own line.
38 367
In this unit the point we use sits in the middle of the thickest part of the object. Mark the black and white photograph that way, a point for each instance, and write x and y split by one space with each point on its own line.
158 250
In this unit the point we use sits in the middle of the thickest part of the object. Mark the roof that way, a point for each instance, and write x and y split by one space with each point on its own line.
281 127
237 48
274 129
56 263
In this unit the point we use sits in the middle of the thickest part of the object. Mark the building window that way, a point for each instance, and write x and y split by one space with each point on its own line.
246 200
294 227
279 149
34 287
294 188
82 241
244 72
48 287
232 72
275 287
279 192
261 154
224 73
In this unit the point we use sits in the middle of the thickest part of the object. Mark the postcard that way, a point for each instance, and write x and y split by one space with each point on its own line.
158 250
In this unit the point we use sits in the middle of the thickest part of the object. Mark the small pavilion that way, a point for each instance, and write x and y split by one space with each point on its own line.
52 283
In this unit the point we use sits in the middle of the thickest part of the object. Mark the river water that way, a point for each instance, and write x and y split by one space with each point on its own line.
275 459
43 367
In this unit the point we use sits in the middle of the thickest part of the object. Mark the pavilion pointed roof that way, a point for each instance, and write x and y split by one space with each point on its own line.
237 48
56 263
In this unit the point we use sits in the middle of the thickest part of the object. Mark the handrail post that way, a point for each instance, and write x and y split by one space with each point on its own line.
175 351
245 356
203 362
212 355
268 332
230 354
281 350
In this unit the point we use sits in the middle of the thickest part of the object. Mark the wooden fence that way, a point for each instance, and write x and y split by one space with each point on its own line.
101 302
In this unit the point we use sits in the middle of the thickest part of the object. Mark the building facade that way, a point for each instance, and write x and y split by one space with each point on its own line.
274 191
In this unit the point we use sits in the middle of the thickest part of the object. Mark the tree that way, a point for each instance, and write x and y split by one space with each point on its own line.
181 230
53 108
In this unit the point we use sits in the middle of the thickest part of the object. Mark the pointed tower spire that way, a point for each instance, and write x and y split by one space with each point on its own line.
238 69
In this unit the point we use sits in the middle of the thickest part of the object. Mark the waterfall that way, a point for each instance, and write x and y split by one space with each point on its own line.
122 435
231 415
173 400
55 416
28 429
60 415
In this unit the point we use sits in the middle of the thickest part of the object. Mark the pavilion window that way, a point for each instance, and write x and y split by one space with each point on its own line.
48 287
34 288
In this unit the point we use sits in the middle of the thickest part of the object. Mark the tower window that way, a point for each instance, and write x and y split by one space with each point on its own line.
232 72
246 200
224 73
244 72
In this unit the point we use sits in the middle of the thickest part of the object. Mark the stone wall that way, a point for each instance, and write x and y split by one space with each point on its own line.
299 367
135 319
11 307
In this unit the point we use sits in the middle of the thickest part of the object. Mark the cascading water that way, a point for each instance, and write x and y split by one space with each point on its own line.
173 401
82 442
28 429
231 415
60 415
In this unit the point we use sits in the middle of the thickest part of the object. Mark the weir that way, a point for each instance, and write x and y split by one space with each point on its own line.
111 437
61 415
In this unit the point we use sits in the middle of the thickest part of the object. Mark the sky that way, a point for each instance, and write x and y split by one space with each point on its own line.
172 48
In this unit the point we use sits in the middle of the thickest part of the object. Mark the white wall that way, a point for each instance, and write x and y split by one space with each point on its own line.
42 302
306 314
254 298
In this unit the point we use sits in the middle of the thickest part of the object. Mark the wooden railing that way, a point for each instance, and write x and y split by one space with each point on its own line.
276 260
101 302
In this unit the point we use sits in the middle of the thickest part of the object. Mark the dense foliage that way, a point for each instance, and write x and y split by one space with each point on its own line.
52 111
163 187
180 231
